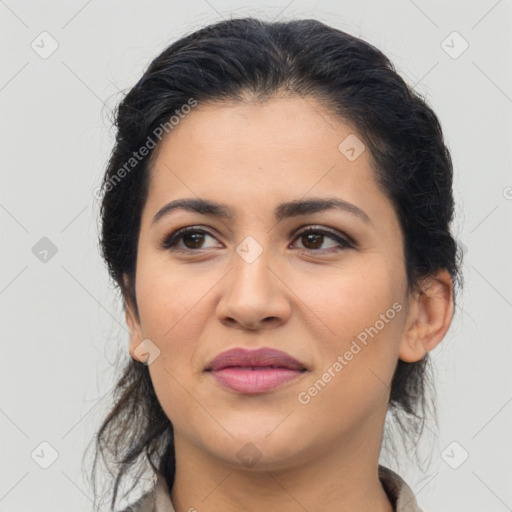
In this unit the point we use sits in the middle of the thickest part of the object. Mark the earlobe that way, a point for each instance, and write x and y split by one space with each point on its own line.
430 316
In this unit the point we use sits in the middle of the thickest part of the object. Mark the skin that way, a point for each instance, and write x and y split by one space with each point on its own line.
308 298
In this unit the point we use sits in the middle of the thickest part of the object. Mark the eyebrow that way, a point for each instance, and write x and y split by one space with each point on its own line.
282 211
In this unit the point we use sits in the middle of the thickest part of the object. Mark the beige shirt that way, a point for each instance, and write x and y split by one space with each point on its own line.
400 494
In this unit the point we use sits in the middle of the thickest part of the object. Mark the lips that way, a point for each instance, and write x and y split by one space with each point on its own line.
253 372
259 358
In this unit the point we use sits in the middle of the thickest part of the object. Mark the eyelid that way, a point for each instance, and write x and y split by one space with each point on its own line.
170 240
325 230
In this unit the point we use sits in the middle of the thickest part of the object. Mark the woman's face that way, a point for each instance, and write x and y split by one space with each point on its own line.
334 299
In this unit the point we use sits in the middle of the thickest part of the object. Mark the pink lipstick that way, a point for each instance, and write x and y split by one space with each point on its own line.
254 371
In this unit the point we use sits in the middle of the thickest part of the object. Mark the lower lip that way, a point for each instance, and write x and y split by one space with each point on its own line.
245 380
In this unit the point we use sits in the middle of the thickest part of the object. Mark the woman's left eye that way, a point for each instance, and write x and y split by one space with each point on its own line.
312 239
315 237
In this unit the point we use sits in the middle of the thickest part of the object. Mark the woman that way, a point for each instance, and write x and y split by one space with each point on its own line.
276 213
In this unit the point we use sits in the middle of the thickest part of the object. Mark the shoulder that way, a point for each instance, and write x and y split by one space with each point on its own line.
158 499
146 503
399 493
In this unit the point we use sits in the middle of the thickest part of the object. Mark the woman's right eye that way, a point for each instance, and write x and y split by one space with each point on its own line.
192 239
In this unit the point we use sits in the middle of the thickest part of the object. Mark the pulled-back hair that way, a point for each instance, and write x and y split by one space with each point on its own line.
228 61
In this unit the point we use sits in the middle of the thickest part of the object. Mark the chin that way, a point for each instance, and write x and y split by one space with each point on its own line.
257 451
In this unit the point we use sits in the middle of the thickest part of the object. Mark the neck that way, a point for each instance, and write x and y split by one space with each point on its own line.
343 477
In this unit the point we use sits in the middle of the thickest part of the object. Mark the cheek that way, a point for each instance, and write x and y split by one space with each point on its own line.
172 310
363 311
351 299
167 294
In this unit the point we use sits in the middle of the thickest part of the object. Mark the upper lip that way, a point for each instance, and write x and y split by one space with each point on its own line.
259 357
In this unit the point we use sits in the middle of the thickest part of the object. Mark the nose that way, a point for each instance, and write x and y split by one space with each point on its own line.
254 296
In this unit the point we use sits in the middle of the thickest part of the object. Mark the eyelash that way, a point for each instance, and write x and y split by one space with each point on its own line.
170 241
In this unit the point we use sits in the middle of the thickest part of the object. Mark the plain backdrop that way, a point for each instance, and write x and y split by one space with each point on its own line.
64 67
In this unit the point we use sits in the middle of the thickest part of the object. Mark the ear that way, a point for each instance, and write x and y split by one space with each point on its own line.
133 322
429 317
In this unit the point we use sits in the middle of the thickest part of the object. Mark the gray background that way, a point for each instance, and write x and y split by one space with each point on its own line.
62 324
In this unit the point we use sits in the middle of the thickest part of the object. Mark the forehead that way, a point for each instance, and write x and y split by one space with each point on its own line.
255 152
281 125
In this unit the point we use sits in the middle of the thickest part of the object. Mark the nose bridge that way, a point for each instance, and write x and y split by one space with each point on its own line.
252 292
251 278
